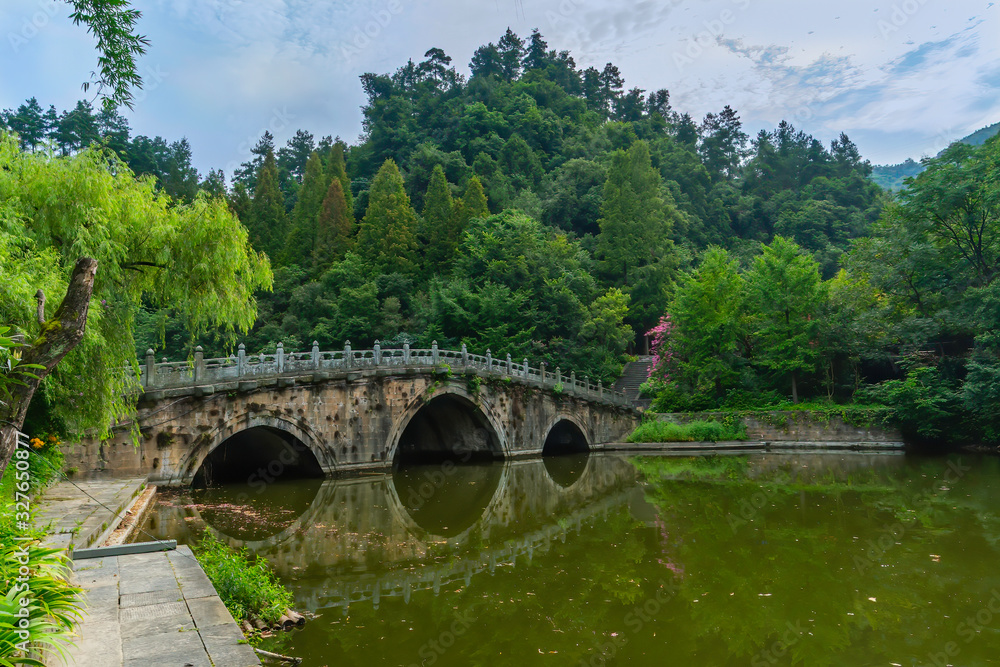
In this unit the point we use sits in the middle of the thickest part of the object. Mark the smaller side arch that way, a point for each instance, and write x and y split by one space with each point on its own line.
566 435
291 432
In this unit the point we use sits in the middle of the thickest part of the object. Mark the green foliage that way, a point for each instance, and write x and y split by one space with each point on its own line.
707 313
193 258
55 606
785 297
268 223
694 431
303 231
334 227
112 23
442 227
247 586
387 235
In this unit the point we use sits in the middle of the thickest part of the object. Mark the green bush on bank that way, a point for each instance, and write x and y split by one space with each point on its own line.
249 589
695 431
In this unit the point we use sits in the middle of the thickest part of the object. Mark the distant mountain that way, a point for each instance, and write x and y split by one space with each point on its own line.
891 176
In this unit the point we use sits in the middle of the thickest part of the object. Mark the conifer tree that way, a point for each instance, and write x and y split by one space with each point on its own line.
336 167
334 228
440 226
387 237
302 233
473 204
634 222
268 223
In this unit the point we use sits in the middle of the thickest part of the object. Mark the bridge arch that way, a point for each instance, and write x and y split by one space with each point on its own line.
566 435
304 443
448 423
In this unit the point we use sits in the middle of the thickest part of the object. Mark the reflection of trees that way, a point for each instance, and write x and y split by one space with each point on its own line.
817 551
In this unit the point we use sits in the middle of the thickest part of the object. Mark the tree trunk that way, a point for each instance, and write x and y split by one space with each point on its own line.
56 339
795 388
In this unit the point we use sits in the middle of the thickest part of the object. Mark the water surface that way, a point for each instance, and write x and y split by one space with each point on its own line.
766 559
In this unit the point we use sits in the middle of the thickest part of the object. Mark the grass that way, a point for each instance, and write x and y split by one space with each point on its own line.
695 431
247 586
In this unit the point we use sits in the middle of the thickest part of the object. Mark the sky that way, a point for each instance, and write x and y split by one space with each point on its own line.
902 78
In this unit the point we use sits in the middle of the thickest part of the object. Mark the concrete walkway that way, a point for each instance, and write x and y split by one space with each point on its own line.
154 610
78 520
148 610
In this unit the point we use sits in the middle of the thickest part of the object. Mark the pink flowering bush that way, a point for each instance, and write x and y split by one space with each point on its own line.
661 349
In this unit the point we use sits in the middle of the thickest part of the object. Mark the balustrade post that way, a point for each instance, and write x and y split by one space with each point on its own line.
558 375
586 385
572 380
150 379
465 356
434 353
406 354
315 355
489 361
348 355
378 353
241 360
280 355
510 365
525 368
541 370
199 364
600 390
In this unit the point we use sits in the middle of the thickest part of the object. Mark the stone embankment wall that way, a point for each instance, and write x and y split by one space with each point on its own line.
798 426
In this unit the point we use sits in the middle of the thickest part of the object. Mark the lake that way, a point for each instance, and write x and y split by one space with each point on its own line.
608 559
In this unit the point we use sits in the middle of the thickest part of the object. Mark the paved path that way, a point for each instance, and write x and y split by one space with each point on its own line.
79 520
141 610
154 610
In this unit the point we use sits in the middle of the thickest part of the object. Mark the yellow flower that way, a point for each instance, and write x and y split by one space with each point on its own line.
53 438
36 443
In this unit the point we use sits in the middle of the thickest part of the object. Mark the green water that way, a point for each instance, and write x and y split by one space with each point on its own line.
815 559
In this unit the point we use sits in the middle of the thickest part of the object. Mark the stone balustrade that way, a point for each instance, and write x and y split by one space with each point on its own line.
241 366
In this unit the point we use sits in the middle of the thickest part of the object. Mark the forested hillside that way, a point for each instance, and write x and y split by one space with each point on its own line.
600 195
892 176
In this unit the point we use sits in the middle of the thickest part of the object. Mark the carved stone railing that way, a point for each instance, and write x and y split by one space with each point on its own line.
244 367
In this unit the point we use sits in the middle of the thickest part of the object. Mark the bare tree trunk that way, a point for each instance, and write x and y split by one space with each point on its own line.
795 388
56 339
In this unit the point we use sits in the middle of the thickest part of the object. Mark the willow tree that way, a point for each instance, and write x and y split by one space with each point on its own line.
82 244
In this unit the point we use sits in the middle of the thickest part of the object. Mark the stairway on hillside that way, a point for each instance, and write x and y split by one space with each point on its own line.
633 375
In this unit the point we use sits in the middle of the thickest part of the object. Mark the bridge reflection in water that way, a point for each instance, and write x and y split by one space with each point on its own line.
417 528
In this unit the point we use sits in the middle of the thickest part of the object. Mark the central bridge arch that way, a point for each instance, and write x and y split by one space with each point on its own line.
448 424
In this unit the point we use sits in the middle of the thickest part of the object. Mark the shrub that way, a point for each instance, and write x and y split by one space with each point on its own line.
696 431
247 586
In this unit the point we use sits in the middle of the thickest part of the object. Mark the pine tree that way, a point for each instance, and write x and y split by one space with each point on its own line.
268 221
302 233
334 228
440 226
387 236
538 50
336 167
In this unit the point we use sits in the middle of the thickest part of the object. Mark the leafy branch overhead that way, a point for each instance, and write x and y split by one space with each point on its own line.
113 24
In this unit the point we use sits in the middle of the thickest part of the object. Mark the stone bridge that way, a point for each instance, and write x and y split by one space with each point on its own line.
255 418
